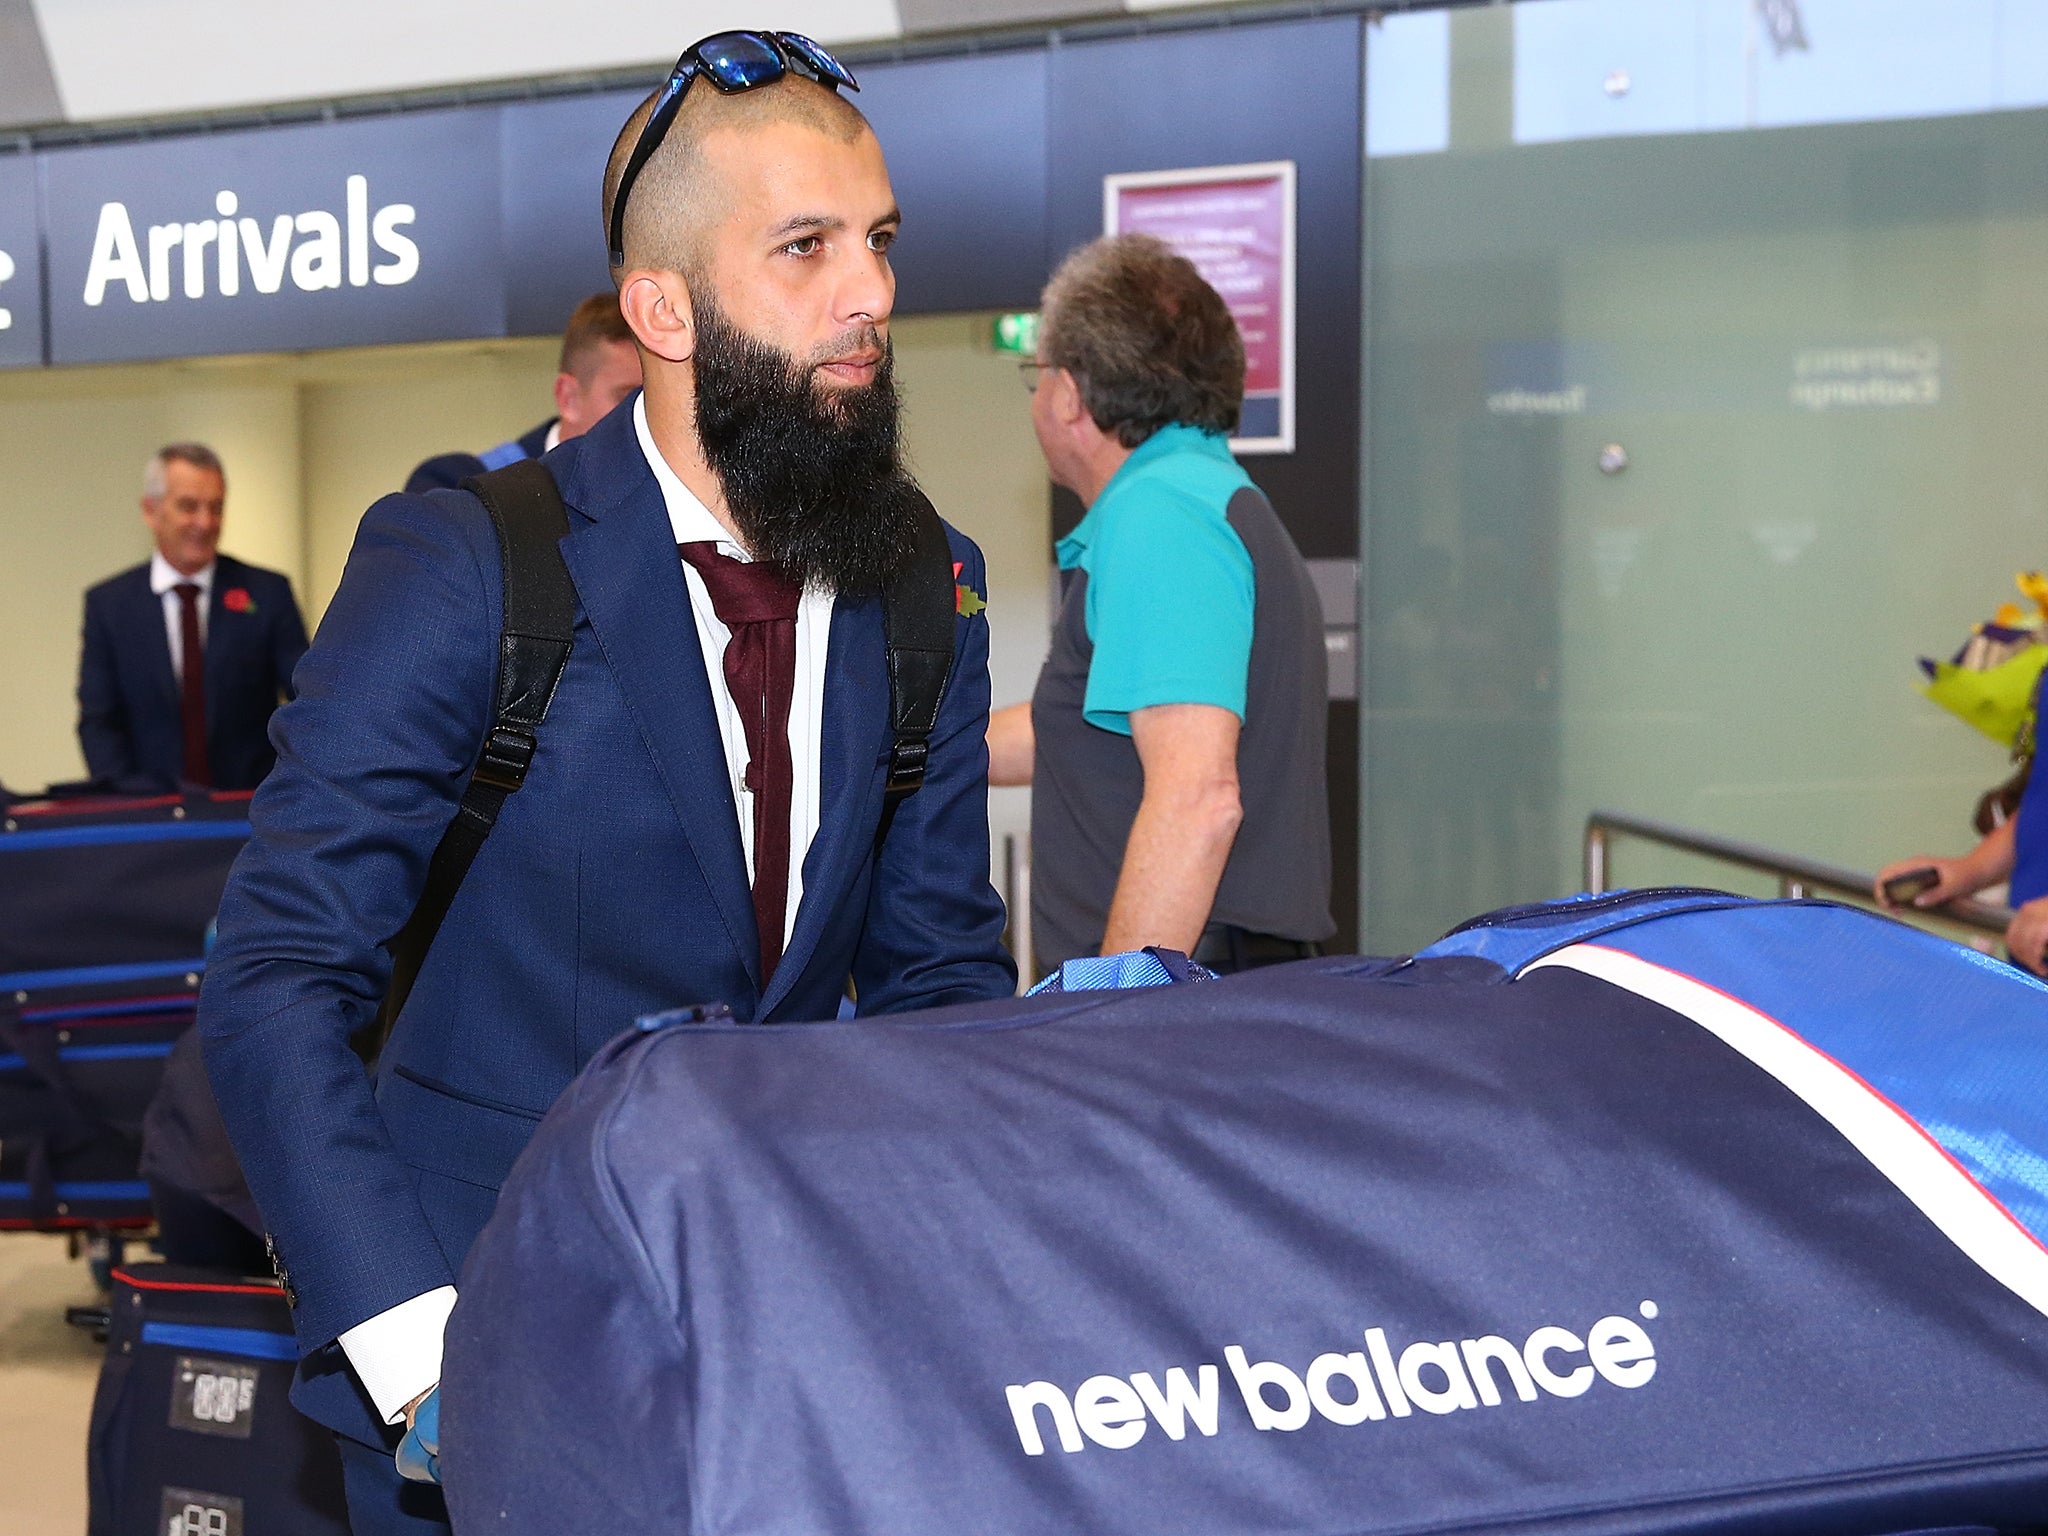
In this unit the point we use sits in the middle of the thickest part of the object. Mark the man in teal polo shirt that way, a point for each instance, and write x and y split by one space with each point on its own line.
1174 744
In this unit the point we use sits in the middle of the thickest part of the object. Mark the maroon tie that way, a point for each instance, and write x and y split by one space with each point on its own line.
758 604
192 686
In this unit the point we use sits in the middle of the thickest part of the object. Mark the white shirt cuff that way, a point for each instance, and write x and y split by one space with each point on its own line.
397 1354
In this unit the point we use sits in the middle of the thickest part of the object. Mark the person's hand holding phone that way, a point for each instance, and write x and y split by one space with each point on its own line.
1924 882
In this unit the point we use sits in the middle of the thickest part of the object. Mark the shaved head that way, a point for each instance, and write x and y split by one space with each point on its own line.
677 197
755 276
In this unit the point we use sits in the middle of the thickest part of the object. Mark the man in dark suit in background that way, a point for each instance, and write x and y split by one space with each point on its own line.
600 367
185 657
702 820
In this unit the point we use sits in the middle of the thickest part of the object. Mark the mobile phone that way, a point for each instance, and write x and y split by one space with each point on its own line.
1900 890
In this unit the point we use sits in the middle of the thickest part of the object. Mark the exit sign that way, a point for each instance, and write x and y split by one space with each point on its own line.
1017 333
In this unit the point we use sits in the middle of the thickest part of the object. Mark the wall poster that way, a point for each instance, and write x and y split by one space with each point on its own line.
1236 224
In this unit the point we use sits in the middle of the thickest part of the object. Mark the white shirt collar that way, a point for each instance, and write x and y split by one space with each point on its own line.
164 576
554 438
690 519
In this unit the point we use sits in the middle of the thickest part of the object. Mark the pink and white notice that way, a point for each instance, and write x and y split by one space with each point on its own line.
1237 226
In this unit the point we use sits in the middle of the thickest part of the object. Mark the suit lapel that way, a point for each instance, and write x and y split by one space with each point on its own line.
853 738
621 555
220 633
154 639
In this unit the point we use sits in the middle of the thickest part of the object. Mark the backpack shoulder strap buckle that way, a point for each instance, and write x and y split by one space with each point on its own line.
507 754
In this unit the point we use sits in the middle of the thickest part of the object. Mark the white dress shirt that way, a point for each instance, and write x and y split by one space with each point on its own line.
164 580
397 1353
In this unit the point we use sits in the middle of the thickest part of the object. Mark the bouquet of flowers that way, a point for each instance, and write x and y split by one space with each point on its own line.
1991 681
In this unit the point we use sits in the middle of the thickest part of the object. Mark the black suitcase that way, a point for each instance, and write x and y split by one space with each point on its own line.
192 1431
104 906
98 881
79 1065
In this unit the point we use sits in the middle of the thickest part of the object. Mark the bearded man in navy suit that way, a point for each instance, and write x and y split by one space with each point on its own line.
185 657
632 872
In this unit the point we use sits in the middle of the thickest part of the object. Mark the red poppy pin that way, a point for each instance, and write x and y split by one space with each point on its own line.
238 600
966 600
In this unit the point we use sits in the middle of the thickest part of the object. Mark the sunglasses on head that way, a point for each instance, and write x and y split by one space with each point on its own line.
732 61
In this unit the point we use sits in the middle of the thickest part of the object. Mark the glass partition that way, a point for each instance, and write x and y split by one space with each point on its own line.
1706 358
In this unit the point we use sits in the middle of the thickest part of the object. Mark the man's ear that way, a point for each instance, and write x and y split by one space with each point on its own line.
656 305
566 389
1067 405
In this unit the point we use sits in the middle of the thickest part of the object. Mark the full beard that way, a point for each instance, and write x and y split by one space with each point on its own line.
813 476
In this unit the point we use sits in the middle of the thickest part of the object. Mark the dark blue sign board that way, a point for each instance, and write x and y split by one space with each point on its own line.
21 266
325 235
485 221
965 138
966 142
551 183
482 221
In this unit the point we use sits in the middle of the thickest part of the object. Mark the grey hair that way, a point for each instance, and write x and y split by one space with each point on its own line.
1149 342
156 472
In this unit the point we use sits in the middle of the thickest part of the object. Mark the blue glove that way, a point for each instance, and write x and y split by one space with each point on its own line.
419 1453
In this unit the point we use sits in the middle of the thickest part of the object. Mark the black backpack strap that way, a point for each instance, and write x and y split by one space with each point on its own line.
533 647
918 610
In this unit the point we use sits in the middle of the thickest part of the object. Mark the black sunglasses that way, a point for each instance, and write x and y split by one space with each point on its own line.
732 61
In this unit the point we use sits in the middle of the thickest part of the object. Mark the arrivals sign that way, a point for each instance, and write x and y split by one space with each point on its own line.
1236 224
21 274
326 235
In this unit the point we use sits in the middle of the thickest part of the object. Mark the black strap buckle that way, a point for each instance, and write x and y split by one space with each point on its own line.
906 765
508 753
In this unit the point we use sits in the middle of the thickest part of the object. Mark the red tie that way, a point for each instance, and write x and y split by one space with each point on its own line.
192 686
758 604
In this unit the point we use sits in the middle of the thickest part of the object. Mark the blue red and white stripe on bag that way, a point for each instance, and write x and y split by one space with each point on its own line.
245 1343
107 834
87 1055
94 1030
84 1197
1923 1054
88 976
92 1012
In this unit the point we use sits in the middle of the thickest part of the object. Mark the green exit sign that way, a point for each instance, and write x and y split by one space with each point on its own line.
1017 333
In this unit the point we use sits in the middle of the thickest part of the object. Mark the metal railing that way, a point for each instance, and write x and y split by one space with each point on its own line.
1796 876
1017 898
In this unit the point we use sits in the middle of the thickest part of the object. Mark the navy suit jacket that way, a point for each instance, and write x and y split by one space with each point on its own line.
614 884
130 721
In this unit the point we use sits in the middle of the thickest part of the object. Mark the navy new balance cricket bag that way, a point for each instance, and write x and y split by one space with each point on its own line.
1667 1215
103 911
192 1433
